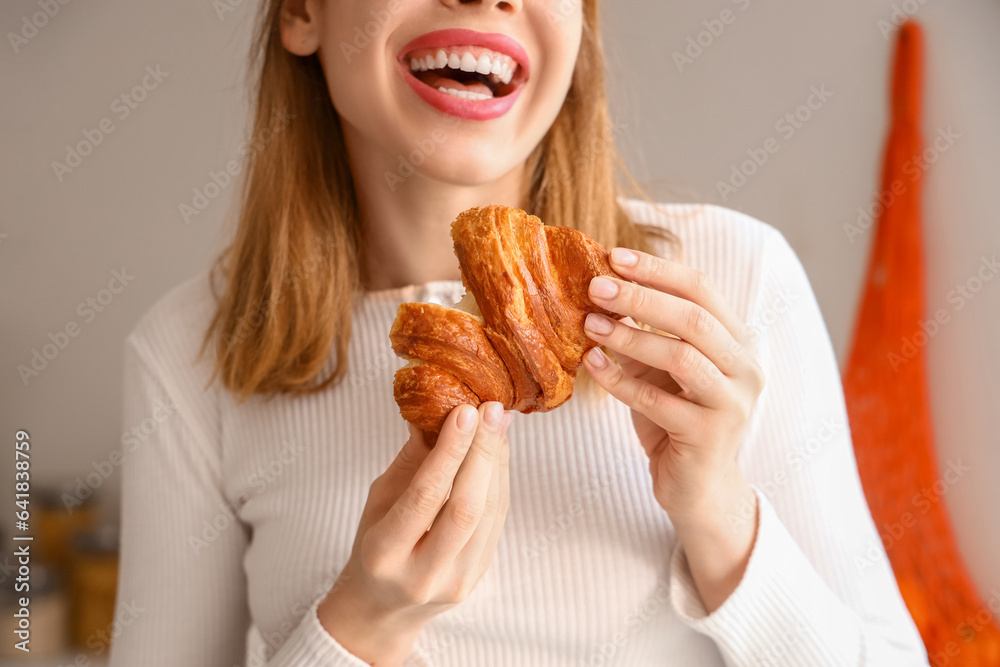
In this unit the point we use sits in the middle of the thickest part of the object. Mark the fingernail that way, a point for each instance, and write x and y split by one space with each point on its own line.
603 288
507 419
598 324
624 257
493 414
467 418
597 358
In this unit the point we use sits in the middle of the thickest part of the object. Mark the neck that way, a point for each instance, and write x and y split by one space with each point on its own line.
407 224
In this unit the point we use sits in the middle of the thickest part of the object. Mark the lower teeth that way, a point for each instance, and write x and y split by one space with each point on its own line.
466 94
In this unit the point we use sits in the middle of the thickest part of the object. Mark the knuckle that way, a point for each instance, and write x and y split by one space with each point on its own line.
425 499
627 336
373 558
759 379
655 268
465 513
699 322
685 358
701 284
461 589
645 395
405 458
493 506
377 487
416 592
616 376
638 298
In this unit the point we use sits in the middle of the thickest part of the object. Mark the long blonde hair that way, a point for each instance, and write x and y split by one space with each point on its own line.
291 272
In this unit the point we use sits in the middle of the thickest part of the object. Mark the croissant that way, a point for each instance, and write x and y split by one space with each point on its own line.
517 334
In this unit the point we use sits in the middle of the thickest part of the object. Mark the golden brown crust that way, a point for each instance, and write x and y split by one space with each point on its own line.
426 394
455 342
530 283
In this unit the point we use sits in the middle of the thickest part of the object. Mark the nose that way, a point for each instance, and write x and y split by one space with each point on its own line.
503 5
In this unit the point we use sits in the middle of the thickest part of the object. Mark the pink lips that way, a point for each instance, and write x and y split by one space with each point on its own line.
469 109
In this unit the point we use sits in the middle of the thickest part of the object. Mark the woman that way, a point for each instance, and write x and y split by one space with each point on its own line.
683 511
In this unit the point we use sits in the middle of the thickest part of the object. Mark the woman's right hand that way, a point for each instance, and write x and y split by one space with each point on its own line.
420 550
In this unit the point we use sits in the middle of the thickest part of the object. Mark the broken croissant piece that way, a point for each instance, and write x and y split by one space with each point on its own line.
516 336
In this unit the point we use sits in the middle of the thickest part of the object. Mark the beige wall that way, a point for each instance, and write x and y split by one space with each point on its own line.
62 236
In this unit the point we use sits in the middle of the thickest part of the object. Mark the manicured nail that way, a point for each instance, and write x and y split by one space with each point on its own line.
493 414
467 418
598 324
603 288
597 358
624 257
507 419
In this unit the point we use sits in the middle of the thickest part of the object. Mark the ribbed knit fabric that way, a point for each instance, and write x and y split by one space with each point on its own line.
237 518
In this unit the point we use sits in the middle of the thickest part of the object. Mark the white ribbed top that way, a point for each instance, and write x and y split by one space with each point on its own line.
237 519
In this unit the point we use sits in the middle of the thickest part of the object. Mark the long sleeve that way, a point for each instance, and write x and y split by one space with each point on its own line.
182 545
818 588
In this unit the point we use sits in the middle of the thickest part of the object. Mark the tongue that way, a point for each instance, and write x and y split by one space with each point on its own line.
436 81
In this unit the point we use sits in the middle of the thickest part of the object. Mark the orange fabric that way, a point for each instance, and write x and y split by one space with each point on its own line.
887 399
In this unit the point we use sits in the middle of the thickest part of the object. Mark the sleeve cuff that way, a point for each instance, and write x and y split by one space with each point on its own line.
311 644
781 612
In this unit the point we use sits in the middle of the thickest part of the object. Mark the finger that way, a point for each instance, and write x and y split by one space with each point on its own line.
698 377
678 279
388 486
465 507
675 415
483 545
472 554
682 318
410 516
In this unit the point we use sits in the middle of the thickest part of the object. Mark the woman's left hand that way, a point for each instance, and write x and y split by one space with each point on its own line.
691 396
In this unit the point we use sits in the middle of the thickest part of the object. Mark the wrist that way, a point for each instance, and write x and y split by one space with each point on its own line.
374 633
727 504
718 538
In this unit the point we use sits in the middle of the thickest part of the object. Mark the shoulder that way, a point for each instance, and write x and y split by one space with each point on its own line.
738 252
168 337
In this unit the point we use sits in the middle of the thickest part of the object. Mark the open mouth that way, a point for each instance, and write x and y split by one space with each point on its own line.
473 73
466 73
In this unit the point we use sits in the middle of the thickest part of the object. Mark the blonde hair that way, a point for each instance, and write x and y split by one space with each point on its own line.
291 272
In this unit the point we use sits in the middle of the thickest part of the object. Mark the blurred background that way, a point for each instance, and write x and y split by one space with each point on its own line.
88 245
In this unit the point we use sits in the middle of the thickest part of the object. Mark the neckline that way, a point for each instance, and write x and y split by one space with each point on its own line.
430 287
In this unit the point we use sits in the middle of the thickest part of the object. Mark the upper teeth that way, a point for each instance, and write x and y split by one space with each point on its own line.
487 63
